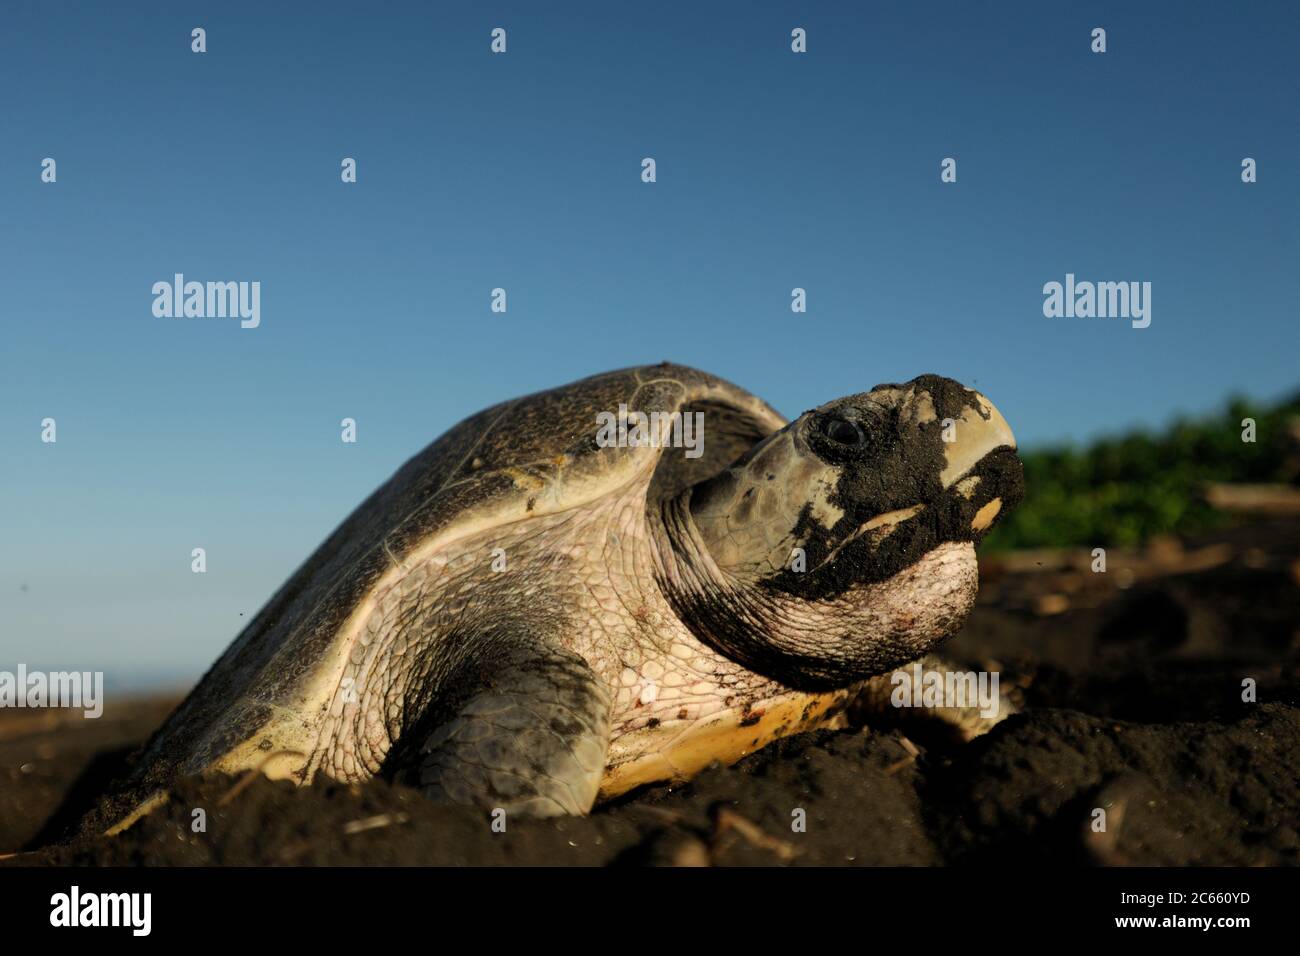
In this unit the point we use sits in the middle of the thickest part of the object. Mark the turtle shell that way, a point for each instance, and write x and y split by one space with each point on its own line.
529 457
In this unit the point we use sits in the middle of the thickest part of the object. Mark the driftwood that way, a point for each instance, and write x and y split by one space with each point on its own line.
1254 499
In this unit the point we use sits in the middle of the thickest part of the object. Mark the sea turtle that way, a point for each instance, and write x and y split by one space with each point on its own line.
541 609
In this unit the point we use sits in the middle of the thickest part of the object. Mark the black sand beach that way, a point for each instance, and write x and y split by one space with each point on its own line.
1130 685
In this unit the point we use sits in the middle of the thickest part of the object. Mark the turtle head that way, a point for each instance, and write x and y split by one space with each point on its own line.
844 544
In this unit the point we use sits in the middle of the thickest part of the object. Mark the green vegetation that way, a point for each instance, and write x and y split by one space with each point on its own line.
1120 491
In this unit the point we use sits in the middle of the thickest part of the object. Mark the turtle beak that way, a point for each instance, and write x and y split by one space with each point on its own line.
982 476
967 440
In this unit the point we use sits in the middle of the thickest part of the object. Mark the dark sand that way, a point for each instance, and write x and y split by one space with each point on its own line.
1131 702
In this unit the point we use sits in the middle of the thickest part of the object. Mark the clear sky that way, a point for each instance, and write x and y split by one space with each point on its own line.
775 170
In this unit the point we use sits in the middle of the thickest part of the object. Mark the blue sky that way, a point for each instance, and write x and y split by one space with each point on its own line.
522 171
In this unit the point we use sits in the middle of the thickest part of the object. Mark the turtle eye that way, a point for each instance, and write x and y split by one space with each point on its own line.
843 432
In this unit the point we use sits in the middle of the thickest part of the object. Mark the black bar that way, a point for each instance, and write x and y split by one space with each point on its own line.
369 905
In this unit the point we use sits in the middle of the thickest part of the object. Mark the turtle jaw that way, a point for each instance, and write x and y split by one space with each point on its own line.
816 644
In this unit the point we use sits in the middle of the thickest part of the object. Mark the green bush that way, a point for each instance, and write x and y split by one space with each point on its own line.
1120 491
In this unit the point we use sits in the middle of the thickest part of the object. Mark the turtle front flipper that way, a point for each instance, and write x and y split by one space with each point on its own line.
936 698
530 737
